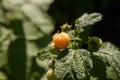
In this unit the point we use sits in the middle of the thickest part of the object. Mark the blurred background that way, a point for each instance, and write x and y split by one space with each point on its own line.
26 26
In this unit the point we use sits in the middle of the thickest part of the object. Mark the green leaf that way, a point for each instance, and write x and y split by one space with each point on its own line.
31 31
88 19
3 76
110 56
109 46
73 65
44 54
38 17
83 24
4 45
43 4
13 4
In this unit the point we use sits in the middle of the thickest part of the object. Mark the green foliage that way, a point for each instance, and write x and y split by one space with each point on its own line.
3 76
42 56
25 27
75 65
110 57
82 23
4 44
98 61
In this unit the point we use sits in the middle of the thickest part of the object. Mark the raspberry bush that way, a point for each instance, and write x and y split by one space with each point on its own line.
85 57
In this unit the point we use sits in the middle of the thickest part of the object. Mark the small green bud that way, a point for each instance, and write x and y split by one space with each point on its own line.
94 42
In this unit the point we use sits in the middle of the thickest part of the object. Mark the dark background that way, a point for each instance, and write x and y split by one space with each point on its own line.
108 29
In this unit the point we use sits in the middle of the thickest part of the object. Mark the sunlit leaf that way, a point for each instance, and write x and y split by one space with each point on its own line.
30 22
14 4
3 76
43 4
4 45
31 31
38 17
